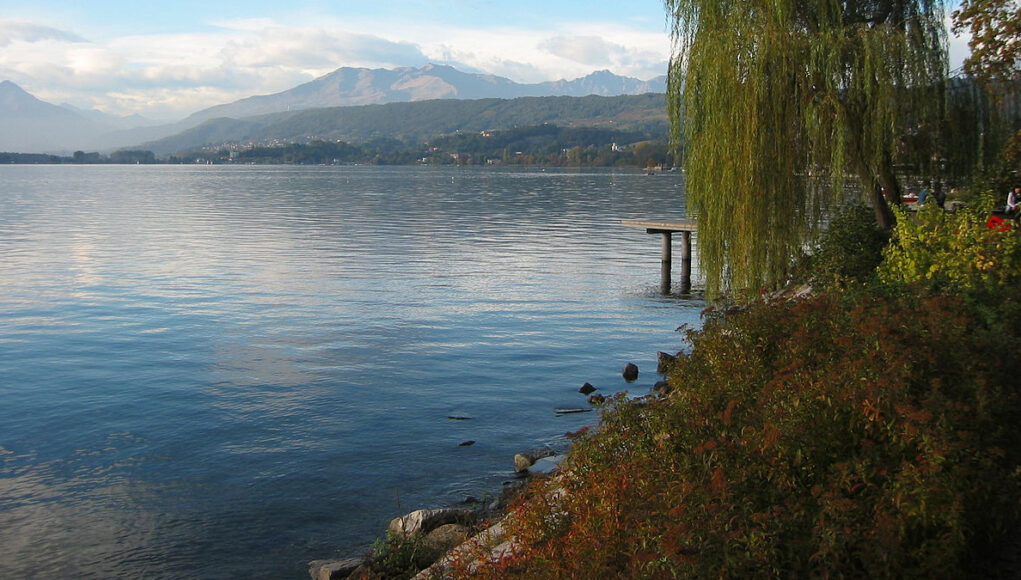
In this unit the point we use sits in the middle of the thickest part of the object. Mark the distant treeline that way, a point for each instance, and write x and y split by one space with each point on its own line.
80 157
539 145
547 145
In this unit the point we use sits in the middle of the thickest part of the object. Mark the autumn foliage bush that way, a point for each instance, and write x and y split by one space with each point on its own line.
865 433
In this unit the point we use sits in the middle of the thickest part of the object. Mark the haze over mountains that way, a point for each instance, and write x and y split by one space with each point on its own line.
29 125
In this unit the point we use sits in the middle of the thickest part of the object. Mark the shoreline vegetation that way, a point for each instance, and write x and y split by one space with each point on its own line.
546 144
861 422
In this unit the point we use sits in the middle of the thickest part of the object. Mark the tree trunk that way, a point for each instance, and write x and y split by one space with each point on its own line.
884 217
874 190
881 190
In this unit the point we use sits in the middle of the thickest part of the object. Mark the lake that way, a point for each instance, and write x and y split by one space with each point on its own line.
227 371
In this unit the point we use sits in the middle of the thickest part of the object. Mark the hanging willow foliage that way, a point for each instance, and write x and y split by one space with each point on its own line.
776 100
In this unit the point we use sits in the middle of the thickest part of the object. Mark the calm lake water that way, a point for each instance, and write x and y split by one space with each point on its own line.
222 372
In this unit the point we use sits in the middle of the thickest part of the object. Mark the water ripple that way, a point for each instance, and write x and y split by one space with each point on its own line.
187 353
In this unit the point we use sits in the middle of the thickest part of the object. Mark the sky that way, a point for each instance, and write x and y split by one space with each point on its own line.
166 60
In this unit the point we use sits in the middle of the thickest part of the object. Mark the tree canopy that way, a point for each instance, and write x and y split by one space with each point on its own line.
777 100
995 29
995 63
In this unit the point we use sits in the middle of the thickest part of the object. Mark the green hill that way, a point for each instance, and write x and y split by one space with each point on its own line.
420 121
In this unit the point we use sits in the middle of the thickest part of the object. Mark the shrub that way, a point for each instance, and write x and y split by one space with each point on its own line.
849 434
399 556
849 249
953 253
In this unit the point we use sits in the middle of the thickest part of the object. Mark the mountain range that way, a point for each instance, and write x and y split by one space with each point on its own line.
361 86
29 125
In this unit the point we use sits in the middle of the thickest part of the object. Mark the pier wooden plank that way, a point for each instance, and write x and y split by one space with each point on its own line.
659 227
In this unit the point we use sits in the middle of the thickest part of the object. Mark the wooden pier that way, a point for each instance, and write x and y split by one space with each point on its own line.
667 229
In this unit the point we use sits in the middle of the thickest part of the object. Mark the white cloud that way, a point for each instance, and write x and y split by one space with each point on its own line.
589 50
163 102
231 59
19 30
315 49
246 24
569 51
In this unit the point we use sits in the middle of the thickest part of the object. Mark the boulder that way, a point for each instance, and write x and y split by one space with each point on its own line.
587 388
665 361
546 465
333 569
446 537
662 388
630 372
424 521
522 461
493 539
597 399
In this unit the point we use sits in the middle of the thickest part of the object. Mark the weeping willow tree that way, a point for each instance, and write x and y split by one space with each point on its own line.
777 101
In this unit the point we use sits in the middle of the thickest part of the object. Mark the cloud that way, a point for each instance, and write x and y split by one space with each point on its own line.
175 74
589 50
17 30
317 49
569 51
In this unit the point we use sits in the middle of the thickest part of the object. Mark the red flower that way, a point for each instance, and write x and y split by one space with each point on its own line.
996 222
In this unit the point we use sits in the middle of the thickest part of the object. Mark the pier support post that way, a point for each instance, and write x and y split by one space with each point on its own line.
664 268
666 229
685 262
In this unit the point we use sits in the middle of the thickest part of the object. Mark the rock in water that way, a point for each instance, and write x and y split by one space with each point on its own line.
665 361
630 372
547 465
522 461
570 411
586 389
662 388
330 569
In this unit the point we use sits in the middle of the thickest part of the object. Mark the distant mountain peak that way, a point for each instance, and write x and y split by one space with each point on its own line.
10 89
362 86
30 125
16 101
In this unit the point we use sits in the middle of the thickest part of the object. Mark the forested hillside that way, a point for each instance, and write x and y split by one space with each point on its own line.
413 123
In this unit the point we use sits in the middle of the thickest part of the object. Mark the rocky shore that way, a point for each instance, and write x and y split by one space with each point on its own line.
436 533
436 537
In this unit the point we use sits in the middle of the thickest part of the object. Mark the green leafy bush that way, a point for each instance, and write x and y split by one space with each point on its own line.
953 253
849 249
399 556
